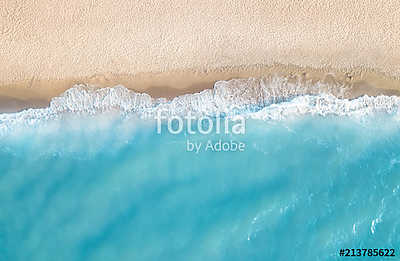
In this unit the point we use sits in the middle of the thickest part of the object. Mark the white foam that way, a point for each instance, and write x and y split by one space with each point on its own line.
327 104
274 98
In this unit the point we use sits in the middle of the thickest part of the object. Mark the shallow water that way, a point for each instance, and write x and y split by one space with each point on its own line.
109 187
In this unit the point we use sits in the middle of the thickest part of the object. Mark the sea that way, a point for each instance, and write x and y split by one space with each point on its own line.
253 169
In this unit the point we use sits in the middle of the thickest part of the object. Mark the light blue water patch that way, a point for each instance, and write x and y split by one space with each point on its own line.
114 189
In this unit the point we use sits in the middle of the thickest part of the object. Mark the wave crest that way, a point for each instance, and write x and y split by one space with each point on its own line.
268 98
242 94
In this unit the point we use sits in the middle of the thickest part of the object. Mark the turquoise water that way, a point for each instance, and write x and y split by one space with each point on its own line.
109 187
301 190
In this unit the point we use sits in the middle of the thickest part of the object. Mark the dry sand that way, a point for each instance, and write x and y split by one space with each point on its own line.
171 47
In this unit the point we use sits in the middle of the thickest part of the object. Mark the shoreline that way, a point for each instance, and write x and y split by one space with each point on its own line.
36 93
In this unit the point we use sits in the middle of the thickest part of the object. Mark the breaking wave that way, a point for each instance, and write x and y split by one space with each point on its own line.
273 98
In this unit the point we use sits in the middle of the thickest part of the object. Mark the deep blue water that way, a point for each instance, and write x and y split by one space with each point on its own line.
116 190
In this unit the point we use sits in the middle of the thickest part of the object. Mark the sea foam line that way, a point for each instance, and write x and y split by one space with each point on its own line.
272 98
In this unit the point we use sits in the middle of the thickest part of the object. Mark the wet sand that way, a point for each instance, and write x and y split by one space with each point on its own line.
38 93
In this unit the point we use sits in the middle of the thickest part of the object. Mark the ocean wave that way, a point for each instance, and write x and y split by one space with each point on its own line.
328 104
271 98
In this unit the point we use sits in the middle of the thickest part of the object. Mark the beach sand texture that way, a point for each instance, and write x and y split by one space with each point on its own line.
45 46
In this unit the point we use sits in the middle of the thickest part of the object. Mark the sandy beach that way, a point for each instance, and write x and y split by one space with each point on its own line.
167 48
